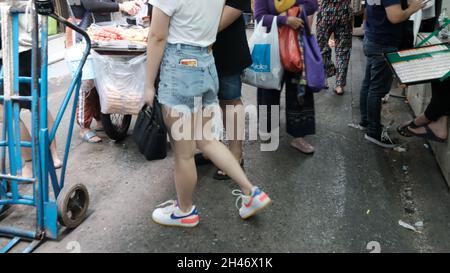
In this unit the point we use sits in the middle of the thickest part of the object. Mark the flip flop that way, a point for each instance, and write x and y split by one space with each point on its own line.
220 175
429 135
404 130
87 137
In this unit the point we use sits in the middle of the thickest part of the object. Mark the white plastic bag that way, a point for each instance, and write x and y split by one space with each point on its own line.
266 71
120 83
73 56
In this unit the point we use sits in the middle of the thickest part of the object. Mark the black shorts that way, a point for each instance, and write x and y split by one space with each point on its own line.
24 71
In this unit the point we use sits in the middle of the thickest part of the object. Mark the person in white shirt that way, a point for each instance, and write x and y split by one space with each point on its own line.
180 39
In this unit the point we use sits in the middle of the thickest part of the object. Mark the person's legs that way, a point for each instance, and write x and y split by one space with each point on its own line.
27 166
218 153
180 91
365 91
266 98
300 119
435 115
440 101
233 115
343 37
53 150
94 102
185 173
234 139
380 83
25 135
324 32
440 127
377 84
86 111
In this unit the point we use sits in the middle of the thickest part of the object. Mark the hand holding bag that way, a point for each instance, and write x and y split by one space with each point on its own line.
314 68
290 53
150 133
266 70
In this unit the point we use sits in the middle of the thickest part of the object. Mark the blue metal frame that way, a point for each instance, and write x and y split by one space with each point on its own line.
42 136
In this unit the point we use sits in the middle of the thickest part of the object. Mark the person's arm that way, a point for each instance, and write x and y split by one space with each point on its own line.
262 11
130 7
97 6
229 16
157 39
396 14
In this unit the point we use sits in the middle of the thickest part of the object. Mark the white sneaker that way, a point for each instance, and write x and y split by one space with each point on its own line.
171 215
253 203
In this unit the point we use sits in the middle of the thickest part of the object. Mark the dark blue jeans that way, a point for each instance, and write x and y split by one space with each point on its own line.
377 83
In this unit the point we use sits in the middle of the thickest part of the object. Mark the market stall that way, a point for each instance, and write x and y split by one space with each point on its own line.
117 65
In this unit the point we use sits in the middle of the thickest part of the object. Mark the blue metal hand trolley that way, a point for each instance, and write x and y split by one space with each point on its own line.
68 204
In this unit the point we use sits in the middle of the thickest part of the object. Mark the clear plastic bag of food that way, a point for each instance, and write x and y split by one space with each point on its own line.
120 82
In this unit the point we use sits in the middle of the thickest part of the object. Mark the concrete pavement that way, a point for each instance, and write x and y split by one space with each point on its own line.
348 194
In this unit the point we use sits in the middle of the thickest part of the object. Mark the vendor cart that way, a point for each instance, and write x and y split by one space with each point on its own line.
118 78
116 125
46 191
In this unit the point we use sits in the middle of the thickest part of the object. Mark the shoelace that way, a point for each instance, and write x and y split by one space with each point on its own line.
385 135
240 197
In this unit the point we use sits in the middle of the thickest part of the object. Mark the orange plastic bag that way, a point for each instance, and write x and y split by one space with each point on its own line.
290 55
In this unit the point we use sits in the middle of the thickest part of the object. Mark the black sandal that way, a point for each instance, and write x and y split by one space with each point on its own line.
404 130
220 175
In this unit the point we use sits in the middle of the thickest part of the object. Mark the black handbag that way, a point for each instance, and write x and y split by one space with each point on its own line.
150 133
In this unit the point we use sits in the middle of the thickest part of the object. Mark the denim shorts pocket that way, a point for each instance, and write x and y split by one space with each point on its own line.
188 81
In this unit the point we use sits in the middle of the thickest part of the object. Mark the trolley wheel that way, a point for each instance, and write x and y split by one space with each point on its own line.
73 203
116 125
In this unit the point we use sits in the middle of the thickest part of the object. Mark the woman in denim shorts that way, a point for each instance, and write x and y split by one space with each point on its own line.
180 40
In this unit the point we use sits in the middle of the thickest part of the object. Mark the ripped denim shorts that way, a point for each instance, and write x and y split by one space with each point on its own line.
188 87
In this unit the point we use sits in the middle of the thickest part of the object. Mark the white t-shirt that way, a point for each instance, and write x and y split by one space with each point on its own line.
192 22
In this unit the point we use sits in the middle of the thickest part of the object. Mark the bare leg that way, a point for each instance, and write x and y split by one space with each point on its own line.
439 127
184 149
53 150
185 173
221 156
419 121
27 168
235 140
224 160
234 122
